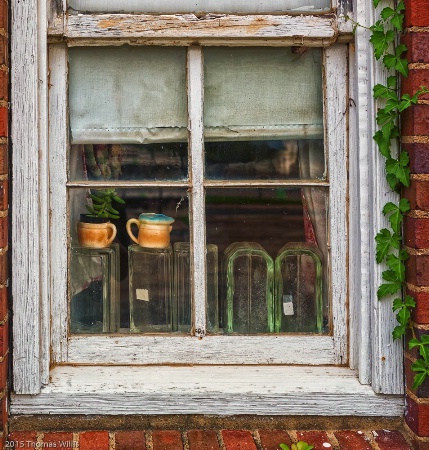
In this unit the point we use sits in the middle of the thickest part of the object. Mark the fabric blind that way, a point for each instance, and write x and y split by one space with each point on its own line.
254 93
127 94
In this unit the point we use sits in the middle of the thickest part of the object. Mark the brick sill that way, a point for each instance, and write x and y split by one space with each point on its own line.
221 390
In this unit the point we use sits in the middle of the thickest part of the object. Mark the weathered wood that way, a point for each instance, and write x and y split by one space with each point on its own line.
196 158
58 133
295 349
227 390
336 71
116 29
26 245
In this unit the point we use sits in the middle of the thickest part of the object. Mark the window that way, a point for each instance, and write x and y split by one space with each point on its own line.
219 124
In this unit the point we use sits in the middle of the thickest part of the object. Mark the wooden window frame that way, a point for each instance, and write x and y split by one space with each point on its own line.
39 227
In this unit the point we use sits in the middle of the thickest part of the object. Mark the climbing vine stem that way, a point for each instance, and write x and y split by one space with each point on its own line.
388 240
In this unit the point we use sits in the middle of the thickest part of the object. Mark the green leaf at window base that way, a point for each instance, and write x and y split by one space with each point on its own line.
422 369
385 241
419 379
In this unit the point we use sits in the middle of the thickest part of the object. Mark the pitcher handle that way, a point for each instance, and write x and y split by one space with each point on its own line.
130 233
114 231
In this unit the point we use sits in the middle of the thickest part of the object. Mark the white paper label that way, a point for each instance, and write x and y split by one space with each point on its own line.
287 305
142 294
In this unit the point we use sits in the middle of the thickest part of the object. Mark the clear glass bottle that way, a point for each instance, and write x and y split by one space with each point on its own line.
94 289
182 288
249 281
299 288
151 281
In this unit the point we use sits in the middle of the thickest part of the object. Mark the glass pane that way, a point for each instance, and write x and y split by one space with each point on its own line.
131 162
265 160
250 228
151 283
127 95
200 6
259 93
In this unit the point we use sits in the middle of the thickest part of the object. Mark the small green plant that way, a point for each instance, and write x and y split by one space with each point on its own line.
102 204
301 445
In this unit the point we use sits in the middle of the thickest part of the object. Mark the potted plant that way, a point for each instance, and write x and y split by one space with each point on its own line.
94 229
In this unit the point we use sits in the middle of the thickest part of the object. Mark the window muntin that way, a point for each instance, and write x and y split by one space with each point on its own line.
202 6
280 98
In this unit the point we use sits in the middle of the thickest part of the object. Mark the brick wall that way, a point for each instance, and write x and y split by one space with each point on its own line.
415 139
4 118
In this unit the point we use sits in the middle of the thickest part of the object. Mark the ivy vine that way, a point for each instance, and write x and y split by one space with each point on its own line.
388 241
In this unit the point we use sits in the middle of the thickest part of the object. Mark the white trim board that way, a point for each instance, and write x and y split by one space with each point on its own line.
226 390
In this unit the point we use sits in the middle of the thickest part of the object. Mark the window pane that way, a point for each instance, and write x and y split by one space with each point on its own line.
265 160
131 162
254 93
127 95
93 293
200 6
257 231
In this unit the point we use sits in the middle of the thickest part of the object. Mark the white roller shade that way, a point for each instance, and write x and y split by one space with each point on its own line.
262 92
201 6
127 94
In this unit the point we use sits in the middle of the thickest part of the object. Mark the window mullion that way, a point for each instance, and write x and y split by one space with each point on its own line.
196 145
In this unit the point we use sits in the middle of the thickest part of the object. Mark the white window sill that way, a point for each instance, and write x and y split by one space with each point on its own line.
219 390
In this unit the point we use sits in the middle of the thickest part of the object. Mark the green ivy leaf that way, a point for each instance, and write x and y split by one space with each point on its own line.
383 144
376 2
385 241
392 82
398 332
404 204
381 39
419 379
387 289
381 91
389 275
284 447
399 169
387 12
397 266
395 216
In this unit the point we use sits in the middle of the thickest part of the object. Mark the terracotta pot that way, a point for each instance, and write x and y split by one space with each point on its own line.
95 235
154 230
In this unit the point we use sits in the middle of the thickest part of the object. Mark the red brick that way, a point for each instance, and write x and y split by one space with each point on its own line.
167 440
420 314
416 13
417 270
3 303
23 439
94 440
130 440
4 121
317 438
415 121
3 268
4 83
238 440
391 440
416 232
420 444
3 50
352 440
3 231
59 439
202 440
418 194
4 193
4 158
4 338
417 44
419 157
3 372
415 80
4 405
3 14
270 439
417 416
